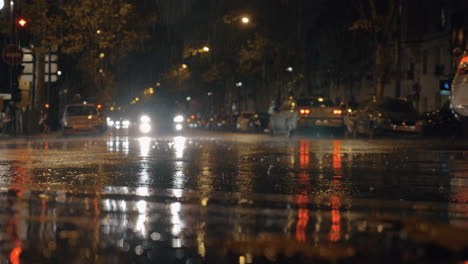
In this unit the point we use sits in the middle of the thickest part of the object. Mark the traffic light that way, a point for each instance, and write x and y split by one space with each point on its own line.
23 31
22 22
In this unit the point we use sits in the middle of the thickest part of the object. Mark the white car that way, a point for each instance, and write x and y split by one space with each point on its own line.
284 119
82 119
319 112
459 96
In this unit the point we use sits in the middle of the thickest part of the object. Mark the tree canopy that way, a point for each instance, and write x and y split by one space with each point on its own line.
94 34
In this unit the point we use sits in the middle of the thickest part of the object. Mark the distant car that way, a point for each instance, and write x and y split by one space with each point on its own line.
248 121
284 119
319 112
373 117
82 119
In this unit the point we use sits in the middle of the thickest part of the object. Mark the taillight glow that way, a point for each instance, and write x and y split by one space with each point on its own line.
337 112
463 60
304 111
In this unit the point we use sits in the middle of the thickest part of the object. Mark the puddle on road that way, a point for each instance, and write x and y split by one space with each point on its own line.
197 201
317 167
122 225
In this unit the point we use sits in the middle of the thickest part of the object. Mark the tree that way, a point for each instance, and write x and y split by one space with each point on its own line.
376 18
95 34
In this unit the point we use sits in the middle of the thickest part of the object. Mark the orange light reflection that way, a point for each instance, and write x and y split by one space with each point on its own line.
302 199
14 255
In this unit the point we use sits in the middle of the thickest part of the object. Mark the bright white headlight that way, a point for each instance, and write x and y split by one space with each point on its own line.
145 128
178 119
125 123
179 127
145 119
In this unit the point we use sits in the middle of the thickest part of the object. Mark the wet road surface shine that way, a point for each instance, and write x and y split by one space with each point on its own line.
251 199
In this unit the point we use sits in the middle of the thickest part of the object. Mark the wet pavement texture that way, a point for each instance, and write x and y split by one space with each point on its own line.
233 198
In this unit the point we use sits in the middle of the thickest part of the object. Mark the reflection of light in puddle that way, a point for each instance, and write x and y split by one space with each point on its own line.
177 193
145 147
142 216
142 191
176 221
117 144
144 173
125 146
110 145
179 175
179 146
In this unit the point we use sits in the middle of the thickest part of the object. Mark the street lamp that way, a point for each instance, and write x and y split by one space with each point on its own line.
206 49
245 20
289 69
184 66
2 4
239 84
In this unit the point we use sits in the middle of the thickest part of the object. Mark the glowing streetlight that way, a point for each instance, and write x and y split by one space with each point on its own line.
206 49
2 4
239 84
184 66
102 55
245 20
289 69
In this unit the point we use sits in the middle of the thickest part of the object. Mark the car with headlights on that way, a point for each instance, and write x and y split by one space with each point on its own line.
179 123
319 112
374 117
82 119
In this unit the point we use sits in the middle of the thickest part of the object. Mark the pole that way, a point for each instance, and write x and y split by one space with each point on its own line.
398 51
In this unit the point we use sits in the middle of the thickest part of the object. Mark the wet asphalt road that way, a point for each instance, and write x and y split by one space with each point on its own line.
233 198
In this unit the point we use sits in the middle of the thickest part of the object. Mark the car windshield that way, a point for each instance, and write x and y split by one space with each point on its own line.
81 110
315 102
397 106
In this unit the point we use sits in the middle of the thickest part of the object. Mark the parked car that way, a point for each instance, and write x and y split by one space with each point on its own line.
82 119
319 112
373 117
442 122
244 121
284 119
252 122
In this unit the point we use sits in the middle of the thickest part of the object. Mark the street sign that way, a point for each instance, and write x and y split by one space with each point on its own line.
12 55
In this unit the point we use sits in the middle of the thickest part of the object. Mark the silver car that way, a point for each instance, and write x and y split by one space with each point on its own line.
284 119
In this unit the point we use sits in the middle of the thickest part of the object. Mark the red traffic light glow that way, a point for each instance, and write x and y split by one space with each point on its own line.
22 22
